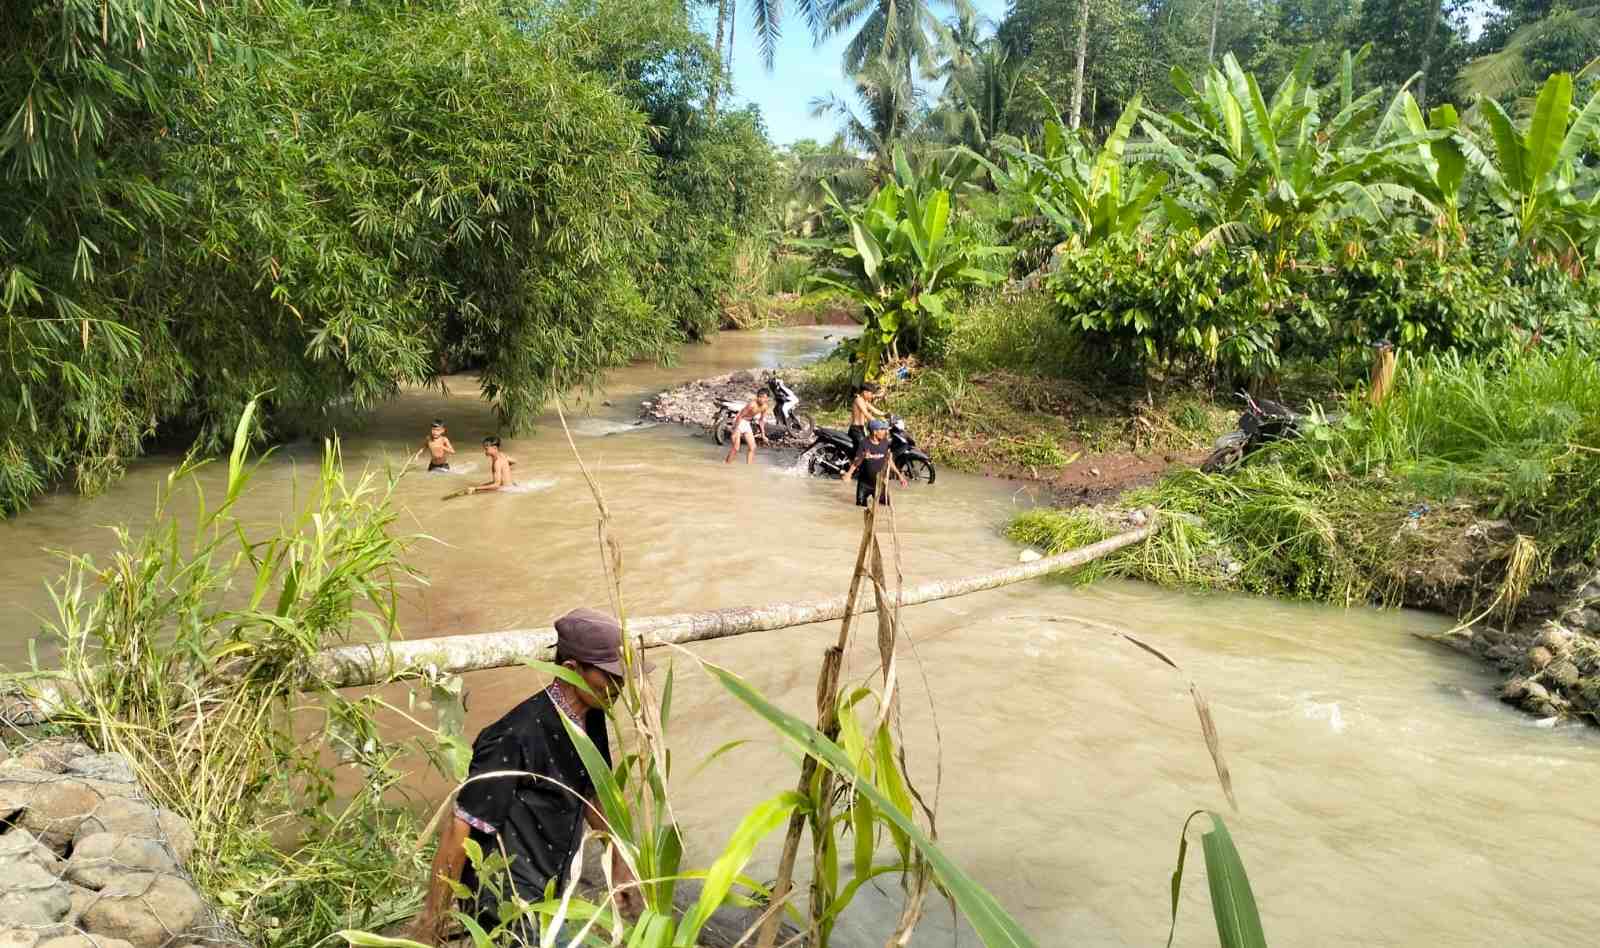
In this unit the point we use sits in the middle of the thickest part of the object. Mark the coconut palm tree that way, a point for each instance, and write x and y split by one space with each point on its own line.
984 99
767 16
887 102
906 32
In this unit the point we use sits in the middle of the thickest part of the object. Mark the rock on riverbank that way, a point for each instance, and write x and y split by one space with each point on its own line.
86 860
1555 662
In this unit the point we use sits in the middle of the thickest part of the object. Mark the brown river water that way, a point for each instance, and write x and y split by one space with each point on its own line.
1385 798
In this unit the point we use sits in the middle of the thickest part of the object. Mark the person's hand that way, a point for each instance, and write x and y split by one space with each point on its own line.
904 482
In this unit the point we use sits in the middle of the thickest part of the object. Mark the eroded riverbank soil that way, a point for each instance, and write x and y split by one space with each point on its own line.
1054 448
1550 651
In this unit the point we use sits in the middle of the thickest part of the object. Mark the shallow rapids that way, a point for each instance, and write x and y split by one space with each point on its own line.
1385 797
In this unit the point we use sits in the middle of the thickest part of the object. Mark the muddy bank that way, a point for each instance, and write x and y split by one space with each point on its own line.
1552 658
1454 565
1081 448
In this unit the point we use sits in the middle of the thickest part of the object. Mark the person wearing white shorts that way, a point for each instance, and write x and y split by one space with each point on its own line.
752 415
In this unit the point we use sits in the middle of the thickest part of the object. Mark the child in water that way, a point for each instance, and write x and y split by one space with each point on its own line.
438 447
862 411
753 412
499 468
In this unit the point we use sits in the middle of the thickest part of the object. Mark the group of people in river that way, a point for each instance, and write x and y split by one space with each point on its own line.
440 450
528 795
872 460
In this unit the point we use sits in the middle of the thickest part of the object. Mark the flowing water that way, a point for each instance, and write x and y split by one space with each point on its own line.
1385 798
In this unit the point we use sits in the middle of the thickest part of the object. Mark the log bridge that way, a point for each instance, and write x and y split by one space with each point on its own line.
367 664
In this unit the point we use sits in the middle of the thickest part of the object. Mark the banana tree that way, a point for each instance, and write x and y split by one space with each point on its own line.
1088 196
903 262
1274 168
1438 170
1535 176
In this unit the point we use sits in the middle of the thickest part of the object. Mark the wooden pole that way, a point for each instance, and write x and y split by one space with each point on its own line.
353 665
1382 372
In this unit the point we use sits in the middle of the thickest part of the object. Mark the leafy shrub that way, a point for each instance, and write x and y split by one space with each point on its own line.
1154 304
719 183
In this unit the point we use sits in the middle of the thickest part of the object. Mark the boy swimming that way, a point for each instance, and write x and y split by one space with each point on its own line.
438 446
499 468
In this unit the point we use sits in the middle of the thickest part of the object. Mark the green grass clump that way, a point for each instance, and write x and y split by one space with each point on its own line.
1025 335
1039 451
1358 508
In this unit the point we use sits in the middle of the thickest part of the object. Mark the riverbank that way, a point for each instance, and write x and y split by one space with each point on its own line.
1302 521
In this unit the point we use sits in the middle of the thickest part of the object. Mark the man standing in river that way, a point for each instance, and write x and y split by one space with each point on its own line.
528 794
862 411
499 467
874 465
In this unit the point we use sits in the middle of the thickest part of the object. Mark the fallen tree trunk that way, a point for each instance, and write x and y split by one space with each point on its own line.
353 665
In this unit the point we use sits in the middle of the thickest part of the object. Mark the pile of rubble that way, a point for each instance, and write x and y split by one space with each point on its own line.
698 402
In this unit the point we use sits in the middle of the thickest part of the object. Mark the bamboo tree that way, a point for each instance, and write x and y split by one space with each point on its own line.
1082 56
722 64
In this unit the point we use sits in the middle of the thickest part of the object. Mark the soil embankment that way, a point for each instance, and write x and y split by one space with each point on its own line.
1083 448
1089 450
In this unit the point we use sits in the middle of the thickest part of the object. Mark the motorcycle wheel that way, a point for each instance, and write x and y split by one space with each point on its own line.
801 428
916 469
721 428
1223 458
823 463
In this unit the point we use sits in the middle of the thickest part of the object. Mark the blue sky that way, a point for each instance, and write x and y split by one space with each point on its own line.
801 71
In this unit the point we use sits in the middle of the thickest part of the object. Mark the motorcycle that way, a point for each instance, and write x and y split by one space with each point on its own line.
1262 421
830 454
788 422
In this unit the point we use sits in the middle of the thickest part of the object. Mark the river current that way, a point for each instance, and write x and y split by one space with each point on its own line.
1385 797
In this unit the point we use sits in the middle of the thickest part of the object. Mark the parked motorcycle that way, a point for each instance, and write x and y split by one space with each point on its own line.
1262 421
830 454
788 422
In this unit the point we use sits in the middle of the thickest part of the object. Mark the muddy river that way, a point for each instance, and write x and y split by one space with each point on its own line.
1385 797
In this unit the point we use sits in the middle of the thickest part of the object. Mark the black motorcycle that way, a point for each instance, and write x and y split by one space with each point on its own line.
830 454
787 420
1262 422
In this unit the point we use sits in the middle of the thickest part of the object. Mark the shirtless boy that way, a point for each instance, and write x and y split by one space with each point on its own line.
753 412
862 411
499 468
438 447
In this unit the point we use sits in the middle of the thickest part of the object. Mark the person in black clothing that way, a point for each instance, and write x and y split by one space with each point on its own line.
873 460
528 794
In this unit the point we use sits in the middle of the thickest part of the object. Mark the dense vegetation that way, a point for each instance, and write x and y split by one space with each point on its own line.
327 202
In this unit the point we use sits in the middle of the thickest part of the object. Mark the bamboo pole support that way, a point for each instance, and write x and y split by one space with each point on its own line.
355 665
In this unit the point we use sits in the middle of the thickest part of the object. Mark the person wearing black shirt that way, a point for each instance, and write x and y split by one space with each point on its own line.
874 459
528 794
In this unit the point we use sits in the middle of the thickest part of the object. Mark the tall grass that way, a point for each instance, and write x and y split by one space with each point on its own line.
1025 334
1347 512
188 651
